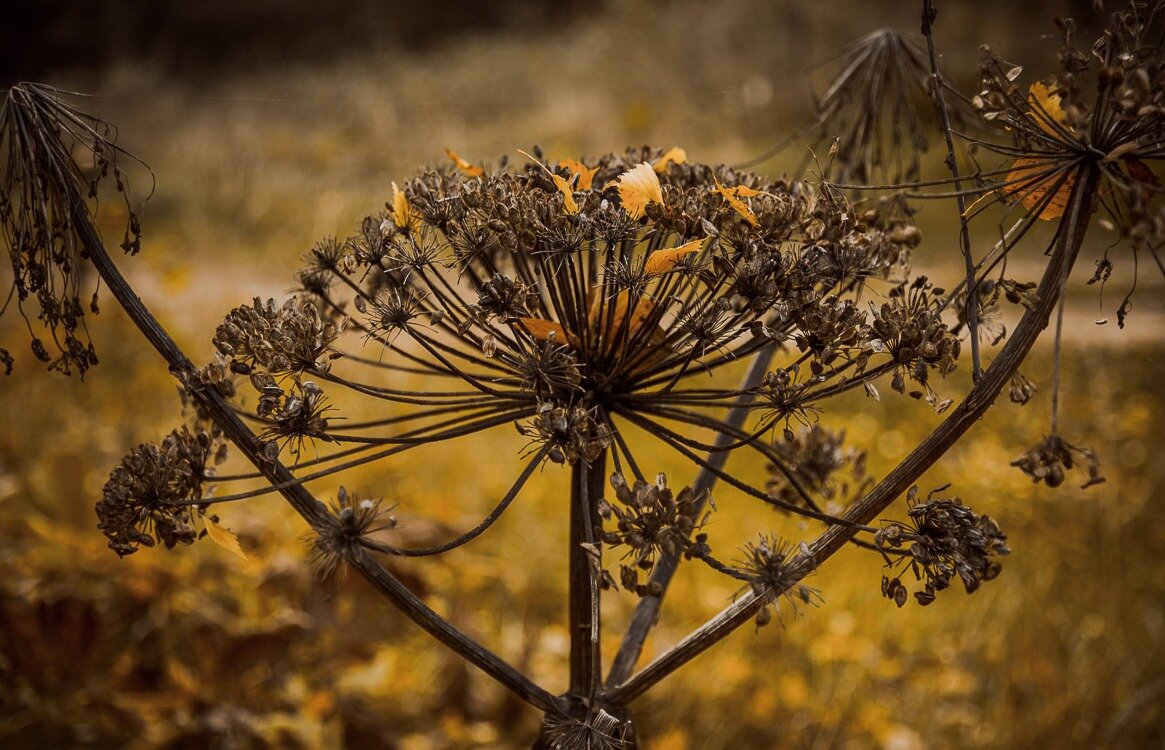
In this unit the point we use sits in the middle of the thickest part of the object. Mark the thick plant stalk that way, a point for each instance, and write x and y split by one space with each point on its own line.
1066 247
584 609
311 509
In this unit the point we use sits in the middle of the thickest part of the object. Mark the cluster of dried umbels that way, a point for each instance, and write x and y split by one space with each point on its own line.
593 303
575 301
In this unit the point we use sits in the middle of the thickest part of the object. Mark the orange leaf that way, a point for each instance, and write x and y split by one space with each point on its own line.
638 187
732 195
568 201
1046 110
674 154
744 191
662 261
616 311
585 175
402 213
608 321
222 536
542 330
1025 182
470 170
563 185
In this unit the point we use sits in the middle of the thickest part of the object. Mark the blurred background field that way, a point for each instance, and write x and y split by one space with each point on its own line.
270 127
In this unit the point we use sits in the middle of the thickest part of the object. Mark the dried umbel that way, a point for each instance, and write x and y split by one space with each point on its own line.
650 521
1053 457
569 434
912 330
768 569
150 496
877 108
942 539
281 339
353 521
600 730
815 462
874 117
43 217
575 299
1104 111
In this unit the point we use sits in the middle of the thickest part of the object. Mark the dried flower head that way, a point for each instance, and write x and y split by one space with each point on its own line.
295 416
768 569
569 434
650 521
600 730
1053 457
281 339
43 217
352 521
876 110
1103 112
943 538
911 329
150 496
577 300
808 464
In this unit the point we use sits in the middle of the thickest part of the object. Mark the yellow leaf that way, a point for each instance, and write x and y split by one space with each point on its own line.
568 201
662 261
1046 110
468 169
732 195
1025 182
744 191
585 176
563 185
638 187
222 536
674 154
615 311
402 213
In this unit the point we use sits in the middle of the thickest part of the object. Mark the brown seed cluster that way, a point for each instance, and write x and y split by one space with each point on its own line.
942 539
150 496
281 339
1053 457
815 463
769 570
352 520
650 520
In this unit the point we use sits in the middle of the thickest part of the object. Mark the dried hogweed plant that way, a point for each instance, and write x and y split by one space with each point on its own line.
598 306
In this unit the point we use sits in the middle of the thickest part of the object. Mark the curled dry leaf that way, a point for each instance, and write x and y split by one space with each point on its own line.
675 154
471 170
402 213
1032 184
584 176
734 195
569 204
1046 110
